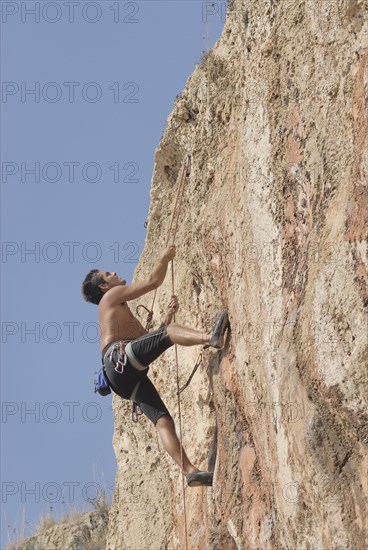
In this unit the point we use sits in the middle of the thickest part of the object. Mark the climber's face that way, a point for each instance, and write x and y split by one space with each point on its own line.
111 279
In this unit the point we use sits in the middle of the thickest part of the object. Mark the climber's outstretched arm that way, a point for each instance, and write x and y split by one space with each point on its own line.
124 293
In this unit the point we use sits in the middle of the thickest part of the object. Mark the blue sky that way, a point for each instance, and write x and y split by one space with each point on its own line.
77 158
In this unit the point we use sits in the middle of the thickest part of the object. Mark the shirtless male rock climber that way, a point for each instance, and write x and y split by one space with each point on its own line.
128 349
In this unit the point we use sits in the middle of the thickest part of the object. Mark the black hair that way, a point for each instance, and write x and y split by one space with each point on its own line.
90 287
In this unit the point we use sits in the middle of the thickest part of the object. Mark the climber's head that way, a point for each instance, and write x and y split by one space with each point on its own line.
97 283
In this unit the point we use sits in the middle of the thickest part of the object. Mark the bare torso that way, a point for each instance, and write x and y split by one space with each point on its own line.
118 323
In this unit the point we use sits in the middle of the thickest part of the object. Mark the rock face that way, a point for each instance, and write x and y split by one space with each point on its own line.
84 531
273 226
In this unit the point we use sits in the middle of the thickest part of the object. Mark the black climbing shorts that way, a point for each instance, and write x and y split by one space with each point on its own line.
133 383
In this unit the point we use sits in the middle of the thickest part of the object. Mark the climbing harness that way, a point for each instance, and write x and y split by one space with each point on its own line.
102 384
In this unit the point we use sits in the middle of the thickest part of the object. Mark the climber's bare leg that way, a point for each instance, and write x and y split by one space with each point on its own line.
187 336
166 428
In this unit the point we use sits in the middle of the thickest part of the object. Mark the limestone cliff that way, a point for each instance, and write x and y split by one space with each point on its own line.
274 227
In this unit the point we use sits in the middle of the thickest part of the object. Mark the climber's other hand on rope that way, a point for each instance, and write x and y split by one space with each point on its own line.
172 308
169 252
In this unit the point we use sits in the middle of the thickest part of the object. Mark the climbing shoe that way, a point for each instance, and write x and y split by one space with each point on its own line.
218 336
196 479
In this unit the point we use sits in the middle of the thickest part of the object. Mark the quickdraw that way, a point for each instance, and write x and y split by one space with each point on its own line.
149 316
135 413
198 362
122 358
